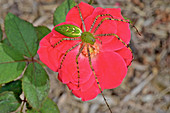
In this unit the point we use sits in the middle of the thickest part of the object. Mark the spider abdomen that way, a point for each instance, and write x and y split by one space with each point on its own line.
69 30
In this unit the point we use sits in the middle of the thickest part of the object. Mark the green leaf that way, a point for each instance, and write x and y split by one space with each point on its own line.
21 35
1 34
42 31
49 107
8 102
32 111
61 11
35 85
5 41
14 86
12 52
10 65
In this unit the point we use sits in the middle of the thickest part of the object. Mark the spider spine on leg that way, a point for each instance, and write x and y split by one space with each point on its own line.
112 34
81 18
99 40
67 53
90 62
120 20
97 18
65 39
81 49
108 19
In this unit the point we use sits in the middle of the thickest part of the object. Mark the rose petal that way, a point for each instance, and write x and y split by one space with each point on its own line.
48 55
89 94
110 69
116 12
51 55
65 44
106 27
110 26
46 51
74 16
83 87
68 72
123 30
45 41
126 54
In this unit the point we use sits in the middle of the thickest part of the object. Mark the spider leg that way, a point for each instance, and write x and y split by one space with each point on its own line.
108 19
97 18
66 39
81 49
135 29
99 40
81 18
67 53
120 20
90 62
112 34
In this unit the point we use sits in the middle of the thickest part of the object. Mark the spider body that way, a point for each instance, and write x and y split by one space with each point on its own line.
74 31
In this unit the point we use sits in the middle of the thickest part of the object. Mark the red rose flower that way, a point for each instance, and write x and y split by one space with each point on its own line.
109 59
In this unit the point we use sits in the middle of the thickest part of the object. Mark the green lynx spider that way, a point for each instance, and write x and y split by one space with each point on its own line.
87 39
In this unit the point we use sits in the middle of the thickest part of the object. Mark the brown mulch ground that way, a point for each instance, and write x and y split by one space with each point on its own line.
146 88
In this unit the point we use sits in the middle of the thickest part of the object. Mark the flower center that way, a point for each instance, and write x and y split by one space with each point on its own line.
94 50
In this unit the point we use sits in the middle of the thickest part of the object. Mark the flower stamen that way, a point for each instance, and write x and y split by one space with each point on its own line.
94 50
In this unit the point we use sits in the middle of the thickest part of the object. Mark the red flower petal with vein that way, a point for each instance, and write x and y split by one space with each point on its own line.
109 59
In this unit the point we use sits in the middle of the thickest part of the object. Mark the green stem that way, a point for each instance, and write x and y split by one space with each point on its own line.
90 2
22 105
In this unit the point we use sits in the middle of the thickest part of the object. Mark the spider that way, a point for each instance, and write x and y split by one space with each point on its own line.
87 41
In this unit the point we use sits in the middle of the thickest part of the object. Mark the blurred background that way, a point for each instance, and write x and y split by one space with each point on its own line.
146 88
